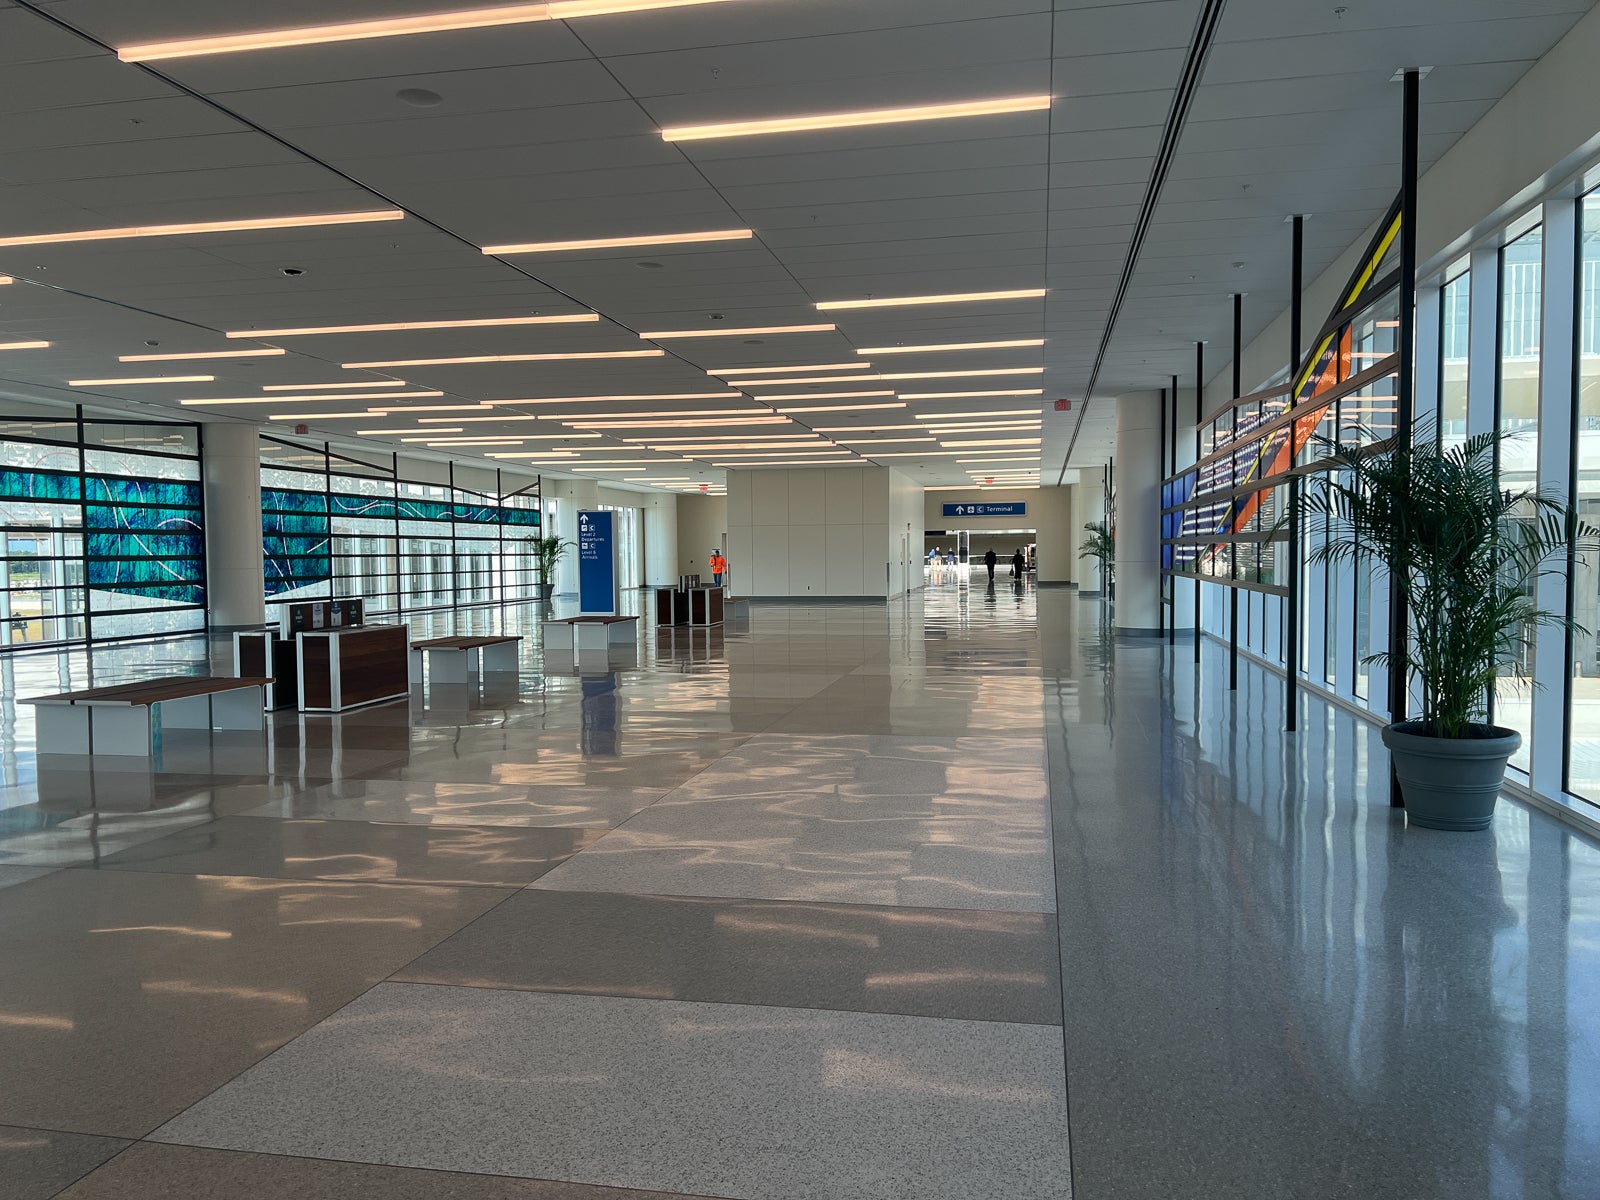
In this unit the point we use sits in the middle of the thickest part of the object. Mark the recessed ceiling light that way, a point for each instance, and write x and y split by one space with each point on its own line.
609 399
200 354
853 120
664 334
501 358
406 326
969 395
194 227
281 399
828 396
849 366
142 379
350 31
947 298
824 408
24 345
1007 345
322 387
648 239
1000 442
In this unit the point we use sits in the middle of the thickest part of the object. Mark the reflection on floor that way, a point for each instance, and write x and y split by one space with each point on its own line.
843 901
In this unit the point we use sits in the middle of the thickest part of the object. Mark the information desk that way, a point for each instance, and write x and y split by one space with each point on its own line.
705 606
672 606
264 652
346 668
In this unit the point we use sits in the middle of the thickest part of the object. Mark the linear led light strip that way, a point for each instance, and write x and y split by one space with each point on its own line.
232 400
503 358
854 120
312 388
944 298
407 326
730 395
407 429
1003 412
5 279
827 408
849 366
878 376
831 396
351 31
432 440
735 331
24 345
773 420
969 395
952 346
571 418
142 379
649 239
200 354
192 227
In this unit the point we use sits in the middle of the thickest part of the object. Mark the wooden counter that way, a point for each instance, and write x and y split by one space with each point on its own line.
346 668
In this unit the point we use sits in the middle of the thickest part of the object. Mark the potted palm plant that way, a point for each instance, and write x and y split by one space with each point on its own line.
1101 544
1465 554
548 552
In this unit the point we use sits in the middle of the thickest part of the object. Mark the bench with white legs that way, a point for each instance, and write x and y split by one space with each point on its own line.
579 635
463 659
127 719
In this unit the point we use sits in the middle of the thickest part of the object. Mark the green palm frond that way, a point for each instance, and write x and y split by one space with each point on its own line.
1466 553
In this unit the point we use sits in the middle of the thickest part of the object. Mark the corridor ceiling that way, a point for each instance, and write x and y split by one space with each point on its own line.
560 127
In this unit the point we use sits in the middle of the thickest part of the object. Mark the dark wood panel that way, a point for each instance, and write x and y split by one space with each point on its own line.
373 663
316 672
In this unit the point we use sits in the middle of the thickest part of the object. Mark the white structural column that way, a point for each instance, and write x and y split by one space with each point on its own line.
235 576
1139 466
1547 752
1092 504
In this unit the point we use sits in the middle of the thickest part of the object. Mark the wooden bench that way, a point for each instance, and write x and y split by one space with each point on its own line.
128 718
569 635
461 659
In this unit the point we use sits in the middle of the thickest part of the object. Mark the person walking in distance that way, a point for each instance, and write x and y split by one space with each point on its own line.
1019 566
719 566
989 561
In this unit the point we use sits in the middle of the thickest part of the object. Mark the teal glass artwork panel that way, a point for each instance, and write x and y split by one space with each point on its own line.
37 485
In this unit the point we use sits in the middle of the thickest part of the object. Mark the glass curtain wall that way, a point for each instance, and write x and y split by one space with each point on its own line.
335 525
103 527
1583 714
1517 415
1524 329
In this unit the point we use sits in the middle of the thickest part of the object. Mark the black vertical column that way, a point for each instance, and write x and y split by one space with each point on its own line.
1291 653
1172 469
1399 619
1233 557
1163 624
1199 417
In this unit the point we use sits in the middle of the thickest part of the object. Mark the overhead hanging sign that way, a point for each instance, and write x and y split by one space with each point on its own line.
1012 508
597 564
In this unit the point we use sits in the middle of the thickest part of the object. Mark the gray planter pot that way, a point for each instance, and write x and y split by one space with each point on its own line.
546 590
1450 783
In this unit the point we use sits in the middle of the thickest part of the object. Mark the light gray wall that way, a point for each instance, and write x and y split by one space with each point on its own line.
811 531
703 524
904 551
1050 514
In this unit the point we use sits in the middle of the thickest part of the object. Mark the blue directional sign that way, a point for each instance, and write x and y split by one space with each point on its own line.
1011 508
597 563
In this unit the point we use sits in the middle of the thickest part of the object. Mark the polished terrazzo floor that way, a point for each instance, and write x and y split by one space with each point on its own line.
838 902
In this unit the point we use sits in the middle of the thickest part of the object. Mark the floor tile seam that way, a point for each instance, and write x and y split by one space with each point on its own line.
601 1188
535 887
336 1009
133 869
600 994
755 1006
1061 980
115 1137
130 1143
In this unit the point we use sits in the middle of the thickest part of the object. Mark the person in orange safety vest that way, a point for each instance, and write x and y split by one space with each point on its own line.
719 567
